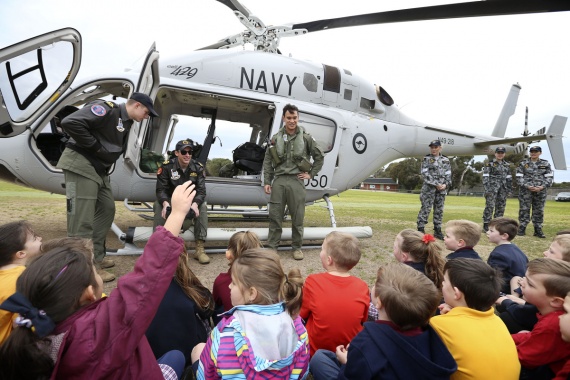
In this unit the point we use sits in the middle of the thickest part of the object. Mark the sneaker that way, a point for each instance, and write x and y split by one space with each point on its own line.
107 263
298 254
105 276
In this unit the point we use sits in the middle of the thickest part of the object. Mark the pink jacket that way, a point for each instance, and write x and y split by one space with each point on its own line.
106 340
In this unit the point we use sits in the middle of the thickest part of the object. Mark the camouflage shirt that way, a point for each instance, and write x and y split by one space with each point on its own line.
436 170
496 175
537 173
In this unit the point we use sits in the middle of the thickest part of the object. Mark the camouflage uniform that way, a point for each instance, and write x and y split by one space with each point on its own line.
286 188
530 174
498 183
436 170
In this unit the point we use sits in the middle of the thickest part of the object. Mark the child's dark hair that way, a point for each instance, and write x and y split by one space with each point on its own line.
426 250
557 275
479 283
13 237
343 248
54 283
241 241
409 297
191 285
505 226
261 269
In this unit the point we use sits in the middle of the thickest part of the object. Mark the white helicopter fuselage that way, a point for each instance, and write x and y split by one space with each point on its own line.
246 89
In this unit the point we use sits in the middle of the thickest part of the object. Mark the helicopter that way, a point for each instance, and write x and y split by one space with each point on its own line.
238 93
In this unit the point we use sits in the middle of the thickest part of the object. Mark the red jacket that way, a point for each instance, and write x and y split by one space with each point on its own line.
106 340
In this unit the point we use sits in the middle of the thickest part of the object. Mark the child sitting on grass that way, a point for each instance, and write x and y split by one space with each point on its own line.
461 236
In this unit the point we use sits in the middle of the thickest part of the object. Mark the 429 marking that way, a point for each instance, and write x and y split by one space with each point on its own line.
445 140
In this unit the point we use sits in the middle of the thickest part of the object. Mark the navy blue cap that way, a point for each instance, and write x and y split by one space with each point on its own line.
435 143
500 149
535 148
146 101
184 144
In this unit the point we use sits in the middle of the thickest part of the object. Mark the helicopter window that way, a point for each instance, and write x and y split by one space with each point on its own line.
31 78
347 94
367 103
383 96
310 82
332 79
347 72
323 130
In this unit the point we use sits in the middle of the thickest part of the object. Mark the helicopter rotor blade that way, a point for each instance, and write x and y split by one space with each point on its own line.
235 5
438 12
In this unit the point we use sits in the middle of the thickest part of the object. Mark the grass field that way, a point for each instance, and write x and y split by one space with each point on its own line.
386 213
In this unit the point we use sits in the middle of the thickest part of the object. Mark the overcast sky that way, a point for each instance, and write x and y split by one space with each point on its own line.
451 73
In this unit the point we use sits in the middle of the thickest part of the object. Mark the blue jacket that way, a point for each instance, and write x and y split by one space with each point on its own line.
381 352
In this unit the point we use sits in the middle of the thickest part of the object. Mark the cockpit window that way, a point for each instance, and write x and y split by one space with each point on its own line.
383 96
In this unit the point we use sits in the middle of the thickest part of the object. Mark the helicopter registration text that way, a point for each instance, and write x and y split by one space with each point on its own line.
261 82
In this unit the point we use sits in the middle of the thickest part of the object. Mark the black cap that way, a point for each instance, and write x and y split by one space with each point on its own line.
146 101
435 143
535 148
184 144
500 149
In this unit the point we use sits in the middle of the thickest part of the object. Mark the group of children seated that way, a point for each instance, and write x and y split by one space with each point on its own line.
427 316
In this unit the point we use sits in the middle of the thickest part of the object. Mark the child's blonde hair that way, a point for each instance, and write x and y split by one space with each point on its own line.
261 269
408 297
564 243
242 241
424 249
343 248
467 230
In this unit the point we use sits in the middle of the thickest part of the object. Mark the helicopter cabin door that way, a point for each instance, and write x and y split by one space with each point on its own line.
148 83
33 75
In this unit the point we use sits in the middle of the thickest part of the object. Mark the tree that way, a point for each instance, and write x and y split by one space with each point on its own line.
406 173
464 172
213 166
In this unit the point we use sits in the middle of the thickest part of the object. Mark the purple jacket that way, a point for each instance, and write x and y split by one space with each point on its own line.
106 340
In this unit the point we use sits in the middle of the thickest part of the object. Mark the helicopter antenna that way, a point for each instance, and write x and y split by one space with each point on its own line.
526 132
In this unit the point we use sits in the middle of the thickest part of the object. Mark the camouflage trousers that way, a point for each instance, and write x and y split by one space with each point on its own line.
497 200
431 197
528 199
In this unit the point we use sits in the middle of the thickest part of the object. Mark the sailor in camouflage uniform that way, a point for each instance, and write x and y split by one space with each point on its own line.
98 137
177 171
498 184
534 176
436 174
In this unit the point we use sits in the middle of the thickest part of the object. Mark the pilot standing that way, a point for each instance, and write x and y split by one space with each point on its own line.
99 133
498 184
436 174
177 171
284 169
534 176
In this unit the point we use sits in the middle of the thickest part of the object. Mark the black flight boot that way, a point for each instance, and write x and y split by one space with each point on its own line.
522 231
485 227
538 232
437 233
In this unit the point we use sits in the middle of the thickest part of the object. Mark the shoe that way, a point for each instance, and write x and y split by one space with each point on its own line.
298 254
105 276
538 232
437 233
485 227
107 263
200 253
422 230
522 231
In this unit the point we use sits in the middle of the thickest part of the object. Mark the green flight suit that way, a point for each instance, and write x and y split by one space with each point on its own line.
286 189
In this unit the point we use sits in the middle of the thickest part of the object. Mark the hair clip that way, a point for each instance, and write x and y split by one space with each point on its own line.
427 238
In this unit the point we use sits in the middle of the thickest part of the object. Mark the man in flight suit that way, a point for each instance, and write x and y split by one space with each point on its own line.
177 171
534 176
286 165
436 173
98 137
498 184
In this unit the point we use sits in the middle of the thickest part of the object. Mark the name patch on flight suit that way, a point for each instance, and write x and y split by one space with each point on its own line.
98 110
174 174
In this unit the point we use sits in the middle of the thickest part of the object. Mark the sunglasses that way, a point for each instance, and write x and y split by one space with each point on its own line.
534 151
185 152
